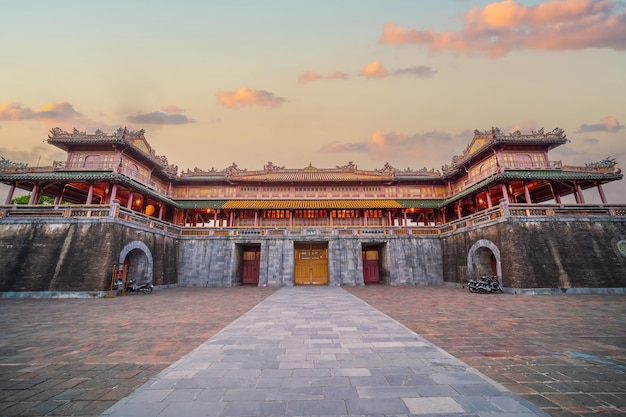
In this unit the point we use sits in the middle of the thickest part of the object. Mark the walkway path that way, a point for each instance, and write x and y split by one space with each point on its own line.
319 351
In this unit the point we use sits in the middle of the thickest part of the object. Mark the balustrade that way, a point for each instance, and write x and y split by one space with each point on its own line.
15 212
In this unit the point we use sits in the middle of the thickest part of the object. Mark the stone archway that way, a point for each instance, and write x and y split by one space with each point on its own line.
484 258
139 259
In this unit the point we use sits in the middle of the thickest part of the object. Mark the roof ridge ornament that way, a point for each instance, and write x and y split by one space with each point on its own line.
232 170
350 166
606 163
387 169
271 167
5 163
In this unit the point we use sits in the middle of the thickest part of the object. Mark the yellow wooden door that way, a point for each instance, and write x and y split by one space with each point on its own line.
311 264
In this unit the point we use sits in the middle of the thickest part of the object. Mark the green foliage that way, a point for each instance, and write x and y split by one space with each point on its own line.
48 201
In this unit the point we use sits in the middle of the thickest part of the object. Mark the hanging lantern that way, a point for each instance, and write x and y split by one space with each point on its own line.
149 210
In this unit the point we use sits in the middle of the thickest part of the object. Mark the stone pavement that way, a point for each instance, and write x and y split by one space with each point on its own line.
319 351
77 357
564 353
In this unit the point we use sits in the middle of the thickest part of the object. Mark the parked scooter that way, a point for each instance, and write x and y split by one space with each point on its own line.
132 286
485 284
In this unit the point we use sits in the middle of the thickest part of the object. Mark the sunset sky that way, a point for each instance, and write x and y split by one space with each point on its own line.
322 82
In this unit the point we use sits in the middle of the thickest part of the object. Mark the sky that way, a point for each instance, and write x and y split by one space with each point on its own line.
324 82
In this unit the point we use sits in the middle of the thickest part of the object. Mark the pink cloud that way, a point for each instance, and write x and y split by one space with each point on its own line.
374 70
607 124
247 97
309 76
505 26
52 111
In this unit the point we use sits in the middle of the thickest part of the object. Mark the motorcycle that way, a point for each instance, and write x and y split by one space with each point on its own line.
132 286
485 284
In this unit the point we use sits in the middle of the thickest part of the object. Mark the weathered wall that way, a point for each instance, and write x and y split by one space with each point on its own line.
214 261
206 262
415 260
74 255
545 254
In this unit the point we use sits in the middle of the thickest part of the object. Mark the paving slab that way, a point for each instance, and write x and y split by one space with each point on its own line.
319 351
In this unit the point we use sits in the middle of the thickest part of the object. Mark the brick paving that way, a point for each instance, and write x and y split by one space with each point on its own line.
77 357
319 351
565 353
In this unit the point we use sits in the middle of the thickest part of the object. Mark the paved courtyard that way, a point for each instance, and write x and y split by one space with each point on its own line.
565 354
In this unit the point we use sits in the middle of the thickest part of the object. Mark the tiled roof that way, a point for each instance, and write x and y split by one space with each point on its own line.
200 204
310 176
420 203
57 176
560 175
311 204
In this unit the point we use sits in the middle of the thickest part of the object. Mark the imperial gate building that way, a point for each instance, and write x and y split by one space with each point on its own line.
497 208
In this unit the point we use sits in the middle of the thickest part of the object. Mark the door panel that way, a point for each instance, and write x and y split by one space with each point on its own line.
371 273
251 264
311 264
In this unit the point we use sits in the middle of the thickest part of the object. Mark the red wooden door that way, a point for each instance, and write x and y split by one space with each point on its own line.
371 273
251 263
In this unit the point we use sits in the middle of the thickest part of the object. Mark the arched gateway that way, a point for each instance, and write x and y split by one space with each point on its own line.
483 258
139 260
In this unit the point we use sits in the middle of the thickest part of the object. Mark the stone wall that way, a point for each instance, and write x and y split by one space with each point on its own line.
214 261
544 253
77 255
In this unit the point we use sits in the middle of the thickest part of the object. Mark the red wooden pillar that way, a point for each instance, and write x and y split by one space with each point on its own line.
404 222
7 201
557 198
90 195
365 218
527 194
129 204
505 193
489 202
576 196
256 218
34 195
579 191
601 191
459 213
113 194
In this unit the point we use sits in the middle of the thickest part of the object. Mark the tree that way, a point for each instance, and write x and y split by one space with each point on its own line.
45 200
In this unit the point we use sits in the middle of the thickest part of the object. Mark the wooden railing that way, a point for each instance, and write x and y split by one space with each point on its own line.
91 212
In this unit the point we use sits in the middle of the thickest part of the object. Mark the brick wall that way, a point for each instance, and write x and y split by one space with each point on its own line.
75 256
544 254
